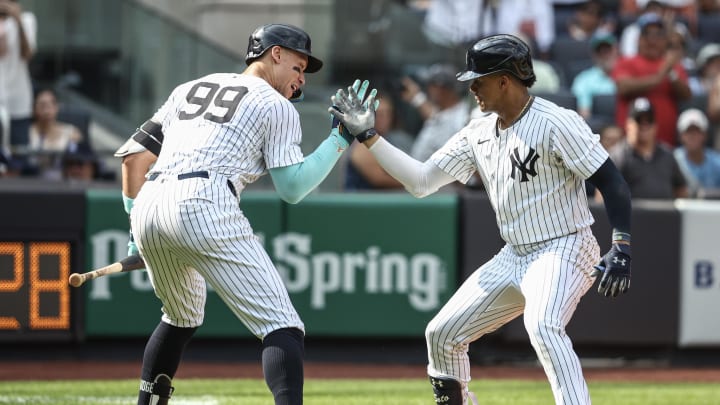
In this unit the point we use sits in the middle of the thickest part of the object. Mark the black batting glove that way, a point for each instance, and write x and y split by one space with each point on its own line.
615 269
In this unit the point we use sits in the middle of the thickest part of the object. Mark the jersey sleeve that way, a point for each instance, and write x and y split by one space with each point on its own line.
576 145
456 156
284 134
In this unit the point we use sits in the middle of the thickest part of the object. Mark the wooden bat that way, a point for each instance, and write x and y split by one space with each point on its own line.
129 263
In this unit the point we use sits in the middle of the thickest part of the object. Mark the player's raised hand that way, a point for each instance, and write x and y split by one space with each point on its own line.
360 89
356 113
615 269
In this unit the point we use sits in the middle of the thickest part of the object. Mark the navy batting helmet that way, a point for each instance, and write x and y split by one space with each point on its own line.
499 53
287 36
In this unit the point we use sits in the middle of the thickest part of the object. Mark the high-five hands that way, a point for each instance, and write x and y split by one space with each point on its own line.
354 111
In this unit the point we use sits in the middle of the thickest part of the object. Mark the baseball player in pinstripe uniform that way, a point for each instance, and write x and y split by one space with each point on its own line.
183 171
533 158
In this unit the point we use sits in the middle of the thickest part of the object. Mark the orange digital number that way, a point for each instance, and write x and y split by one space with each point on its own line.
14 250
58 286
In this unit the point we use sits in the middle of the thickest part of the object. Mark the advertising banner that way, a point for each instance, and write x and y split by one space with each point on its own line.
700 273
354 264
124 304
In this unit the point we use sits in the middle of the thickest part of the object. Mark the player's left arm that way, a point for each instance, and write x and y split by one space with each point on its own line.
581 151
615 264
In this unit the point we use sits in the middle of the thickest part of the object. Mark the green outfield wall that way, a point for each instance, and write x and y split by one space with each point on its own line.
354 264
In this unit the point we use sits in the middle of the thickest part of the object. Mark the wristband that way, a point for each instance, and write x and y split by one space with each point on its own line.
127 203
673 75
364 136
618 236
418 99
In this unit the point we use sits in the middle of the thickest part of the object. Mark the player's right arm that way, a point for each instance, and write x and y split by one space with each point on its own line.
419 178
294 182
358 116
138 155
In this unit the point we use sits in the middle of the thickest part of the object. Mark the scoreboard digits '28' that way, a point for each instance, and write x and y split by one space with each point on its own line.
35 298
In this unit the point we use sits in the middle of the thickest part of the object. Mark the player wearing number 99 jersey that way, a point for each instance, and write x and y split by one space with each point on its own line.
212 137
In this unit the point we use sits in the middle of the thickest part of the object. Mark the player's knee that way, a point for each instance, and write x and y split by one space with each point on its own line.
157 392
435 331
542 327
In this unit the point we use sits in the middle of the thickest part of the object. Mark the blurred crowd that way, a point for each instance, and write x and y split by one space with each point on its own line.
39 137
645 75
603 58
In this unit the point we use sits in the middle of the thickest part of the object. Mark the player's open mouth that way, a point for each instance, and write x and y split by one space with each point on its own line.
293 88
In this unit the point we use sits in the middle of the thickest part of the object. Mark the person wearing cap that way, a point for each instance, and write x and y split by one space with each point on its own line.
588 18
596 79
648 166
708 69
183 172
81 164
654 73
443 110
699 164
631 33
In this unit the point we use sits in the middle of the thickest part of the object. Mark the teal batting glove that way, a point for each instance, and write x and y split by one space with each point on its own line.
128 204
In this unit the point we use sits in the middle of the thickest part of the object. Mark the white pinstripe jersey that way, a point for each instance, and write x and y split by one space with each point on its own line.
231 124
533 171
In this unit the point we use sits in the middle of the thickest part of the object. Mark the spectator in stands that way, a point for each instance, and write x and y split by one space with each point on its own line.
4 164
648 166
610 136
708 6
631 33
462 22
17 45
699 164
589 17
596 79
49 138
709 67
656 73
362 170
708 70
79 164
443 109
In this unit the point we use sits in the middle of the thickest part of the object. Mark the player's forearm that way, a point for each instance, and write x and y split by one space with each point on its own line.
419 179
134 168
295 182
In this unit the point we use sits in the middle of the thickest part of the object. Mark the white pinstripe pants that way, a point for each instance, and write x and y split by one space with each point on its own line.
192 231
543 281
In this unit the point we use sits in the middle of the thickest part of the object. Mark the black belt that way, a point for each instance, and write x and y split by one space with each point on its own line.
201 174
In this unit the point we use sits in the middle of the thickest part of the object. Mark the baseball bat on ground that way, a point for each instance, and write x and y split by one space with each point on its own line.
129 263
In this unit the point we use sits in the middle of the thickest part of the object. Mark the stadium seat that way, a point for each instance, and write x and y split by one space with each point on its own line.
565 49
603 106
77 116
709 27
563 98
699 101
573 68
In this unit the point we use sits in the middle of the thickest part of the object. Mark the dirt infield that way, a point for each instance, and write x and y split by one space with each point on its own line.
54 370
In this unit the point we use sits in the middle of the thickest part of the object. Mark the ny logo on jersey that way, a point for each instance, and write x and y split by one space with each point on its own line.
525 166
